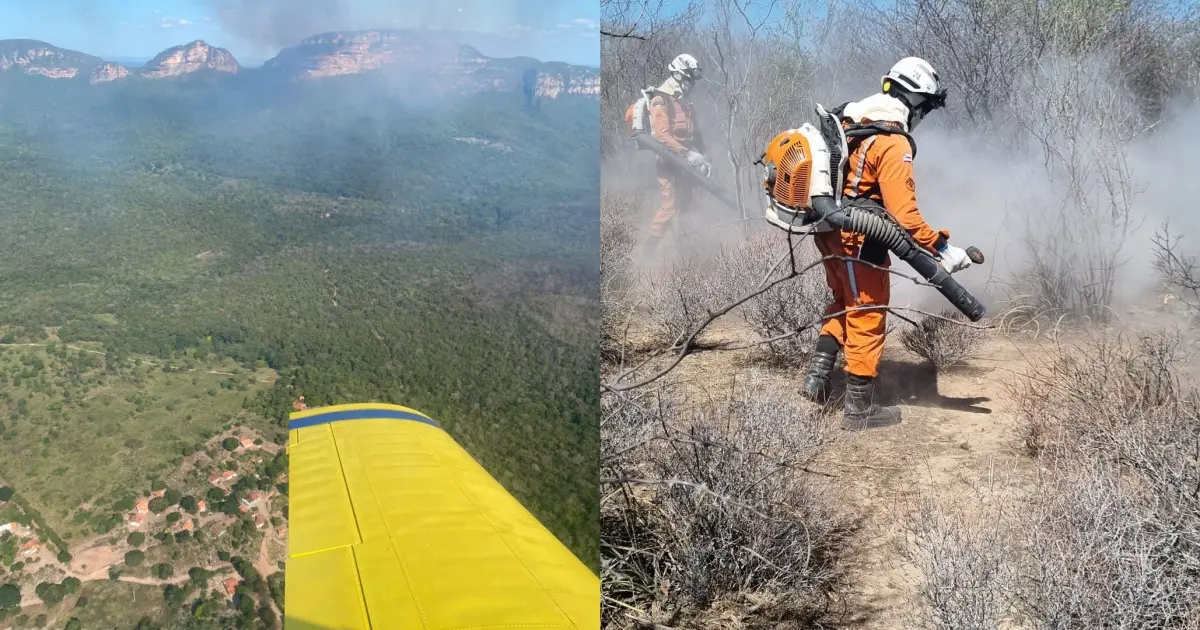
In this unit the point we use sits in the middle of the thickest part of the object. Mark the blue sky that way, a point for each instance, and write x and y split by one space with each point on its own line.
254 30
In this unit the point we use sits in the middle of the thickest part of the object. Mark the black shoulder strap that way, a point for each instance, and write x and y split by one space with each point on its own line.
857 133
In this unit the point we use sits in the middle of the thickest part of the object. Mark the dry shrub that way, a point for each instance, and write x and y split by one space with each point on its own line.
943 343
617 242
1085 549
787 306
1075 393
1105 551
1110 535
1178 272
1121 513
680 295
705 513
965 554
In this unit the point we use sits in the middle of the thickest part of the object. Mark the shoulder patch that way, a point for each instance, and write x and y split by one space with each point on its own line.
908 157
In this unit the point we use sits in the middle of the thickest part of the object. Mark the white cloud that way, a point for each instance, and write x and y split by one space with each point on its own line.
583 21
173 22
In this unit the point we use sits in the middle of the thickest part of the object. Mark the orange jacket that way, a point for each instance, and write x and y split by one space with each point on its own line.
880 168
674 124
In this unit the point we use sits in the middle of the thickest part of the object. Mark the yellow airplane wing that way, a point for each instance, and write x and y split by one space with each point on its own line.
394 526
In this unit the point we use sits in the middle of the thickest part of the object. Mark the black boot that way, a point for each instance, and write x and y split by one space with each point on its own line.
816 382
861 410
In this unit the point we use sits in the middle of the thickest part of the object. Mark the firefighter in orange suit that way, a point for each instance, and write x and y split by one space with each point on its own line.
673 123
879 168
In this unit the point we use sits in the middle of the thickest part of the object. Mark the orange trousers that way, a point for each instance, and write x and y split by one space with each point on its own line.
861 333
675 193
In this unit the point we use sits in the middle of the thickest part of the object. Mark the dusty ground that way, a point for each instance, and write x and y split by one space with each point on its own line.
93 562
957 431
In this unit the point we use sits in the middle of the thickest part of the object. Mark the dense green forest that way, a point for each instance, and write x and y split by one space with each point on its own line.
349 236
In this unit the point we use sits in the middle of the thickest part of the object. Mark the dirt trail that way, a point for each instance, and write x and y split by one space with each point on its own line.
30 598
956 431
221 570
262 564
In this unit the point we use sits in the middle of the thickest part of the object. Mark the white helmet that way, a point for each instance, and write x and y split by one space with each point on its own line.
914 81
685 70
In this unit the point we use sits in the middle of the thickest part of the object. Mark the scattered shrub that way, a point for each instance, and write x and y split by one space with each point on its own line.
680 295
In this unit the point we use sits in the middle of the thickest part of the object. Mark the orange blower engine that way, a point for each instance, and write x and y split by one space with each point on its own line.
804 175
800 169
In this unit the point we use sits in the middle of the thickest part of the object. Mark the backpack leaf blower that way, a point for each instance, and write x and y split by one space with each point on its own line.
804 179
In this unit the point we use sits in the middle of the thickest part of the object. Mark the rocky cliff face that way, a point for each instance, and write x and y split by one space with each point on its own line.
429 61
40 58
438 62
106 72
189 58
334 54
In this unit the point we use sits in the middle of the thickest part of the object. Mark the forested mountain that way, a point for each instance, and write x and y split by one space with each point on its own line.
368 242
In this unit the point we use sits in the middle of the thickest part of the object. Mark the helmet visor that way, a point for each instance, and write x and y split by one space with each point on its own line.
928 103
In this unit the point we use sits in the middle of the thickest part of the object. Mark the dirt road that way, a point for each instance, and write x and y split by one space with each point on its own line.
30 598
262 563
